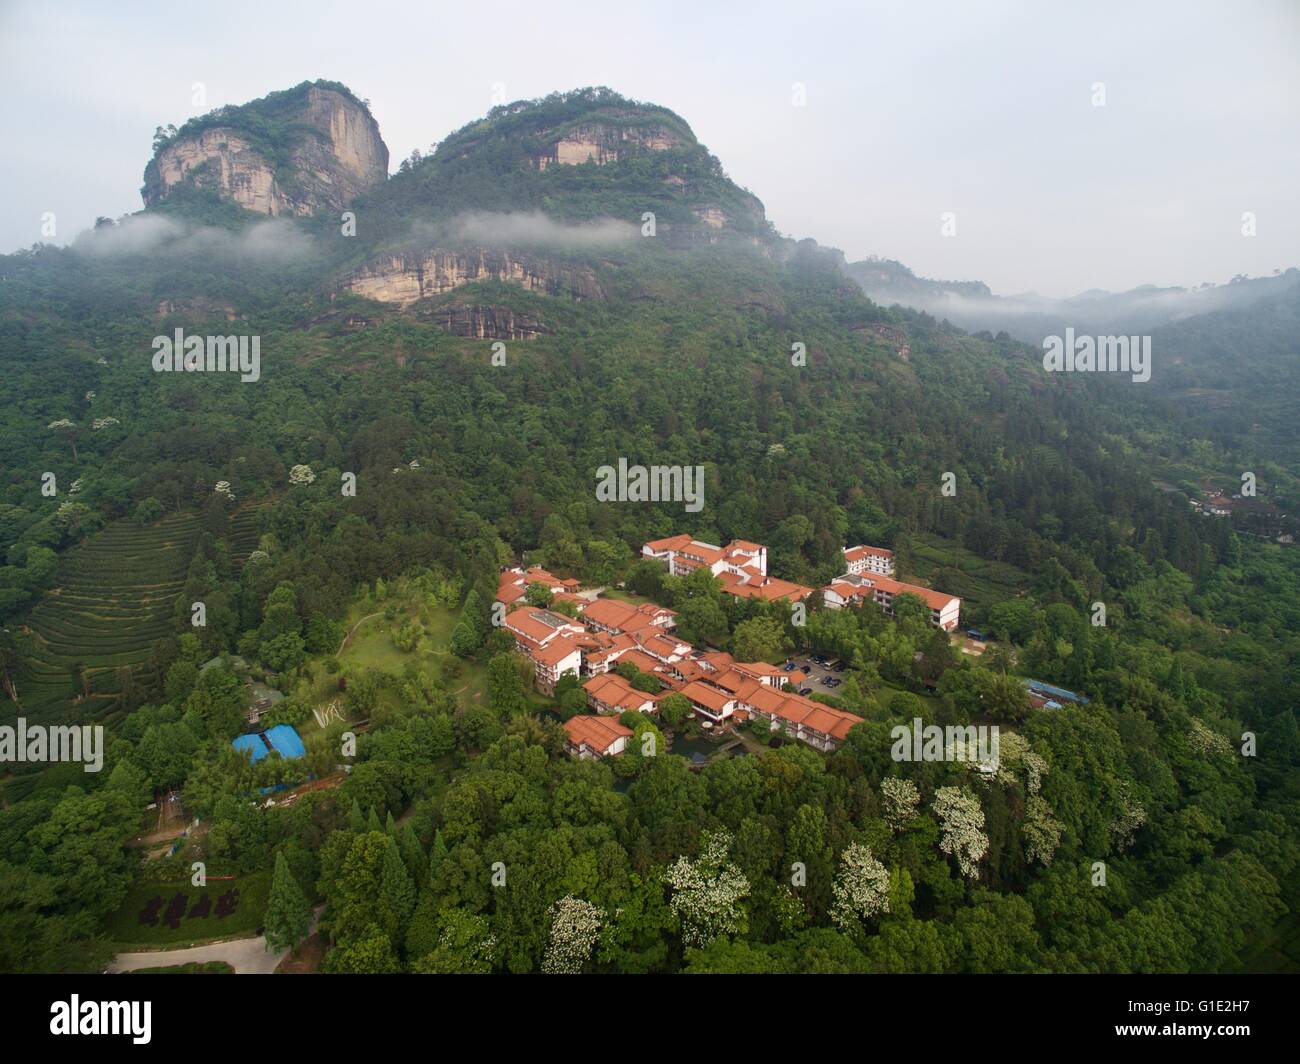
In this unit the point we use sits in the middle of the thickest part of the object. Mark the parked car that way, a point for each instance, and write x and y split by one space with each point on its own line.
806 691
829 681
788 667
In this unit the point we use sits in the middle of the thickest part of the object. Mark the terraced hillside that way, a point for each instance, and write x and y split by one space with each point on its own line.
244 534
113 597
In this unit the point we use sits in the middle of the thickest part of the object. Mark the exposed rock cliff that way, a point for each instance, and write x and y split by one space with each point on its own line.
405 278
307 149
486 322
603 143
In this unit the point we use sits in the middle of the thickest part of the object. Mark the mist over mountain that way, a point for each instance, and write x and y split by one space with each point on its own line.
1030 317
367 616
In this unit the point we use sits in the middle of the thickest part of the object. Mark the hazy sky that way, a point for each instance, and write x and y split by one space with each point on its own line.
977 107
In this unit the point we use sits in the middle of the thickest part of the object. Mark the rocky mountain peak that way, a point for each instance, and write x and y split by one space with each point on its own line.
312 147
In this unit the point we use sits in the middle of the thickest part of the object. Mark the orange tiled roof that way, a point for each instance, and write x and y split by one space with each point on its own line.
737 683
613 690
625 617
537 624
557 649
800 710
610 613
512 584
706 695
642 661
599 733
852 554
936 600
671 543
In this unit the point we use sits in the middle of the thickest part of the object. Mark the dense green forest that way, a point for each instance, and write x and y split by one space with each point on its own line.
1126 835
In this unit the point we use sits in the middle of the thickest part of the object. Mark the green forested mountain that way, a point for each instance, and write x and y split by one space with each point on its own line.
672 345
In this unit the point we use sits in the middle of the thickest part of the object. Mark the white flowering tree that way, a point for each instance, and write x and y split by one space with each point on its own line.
64 427
861 888
1035 770
1041 831
1206 741
902 800
103 423
708 892
223 489
574 926
1016 758
1130 819
301 474
962 823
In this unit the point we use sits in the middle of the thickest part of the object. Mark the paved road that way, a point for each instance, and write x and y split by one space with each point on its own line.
248 956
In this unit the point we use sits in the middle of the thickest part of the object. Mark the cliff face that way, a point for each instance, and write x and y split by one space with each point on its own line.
223 160
483 321
405 278
334 153
602 143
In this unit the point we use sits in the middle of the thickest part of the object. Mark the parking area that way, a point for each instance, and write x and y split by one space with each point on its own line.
810 673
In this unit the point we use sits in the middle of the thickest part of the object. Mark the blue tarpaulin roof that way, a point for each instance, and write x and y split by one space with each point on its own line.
253 744
283 738
286 741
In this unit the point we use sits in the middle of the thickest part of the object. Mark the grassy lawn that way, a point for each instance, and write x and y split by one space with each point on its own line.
125 929
371 646
888 692
194 968
625 596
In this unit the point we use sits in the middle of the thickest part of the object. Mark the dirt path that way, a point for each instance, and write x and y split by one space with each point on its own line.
367 617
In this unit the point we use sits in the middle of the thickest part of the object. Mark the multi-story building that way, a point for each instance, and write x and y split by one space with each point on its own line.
753 690
719 688
607 615
709 702
592 737
610 693
945 610
767 588
684 555
512 584
740 566
822 726
864 559
552 641
554 660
